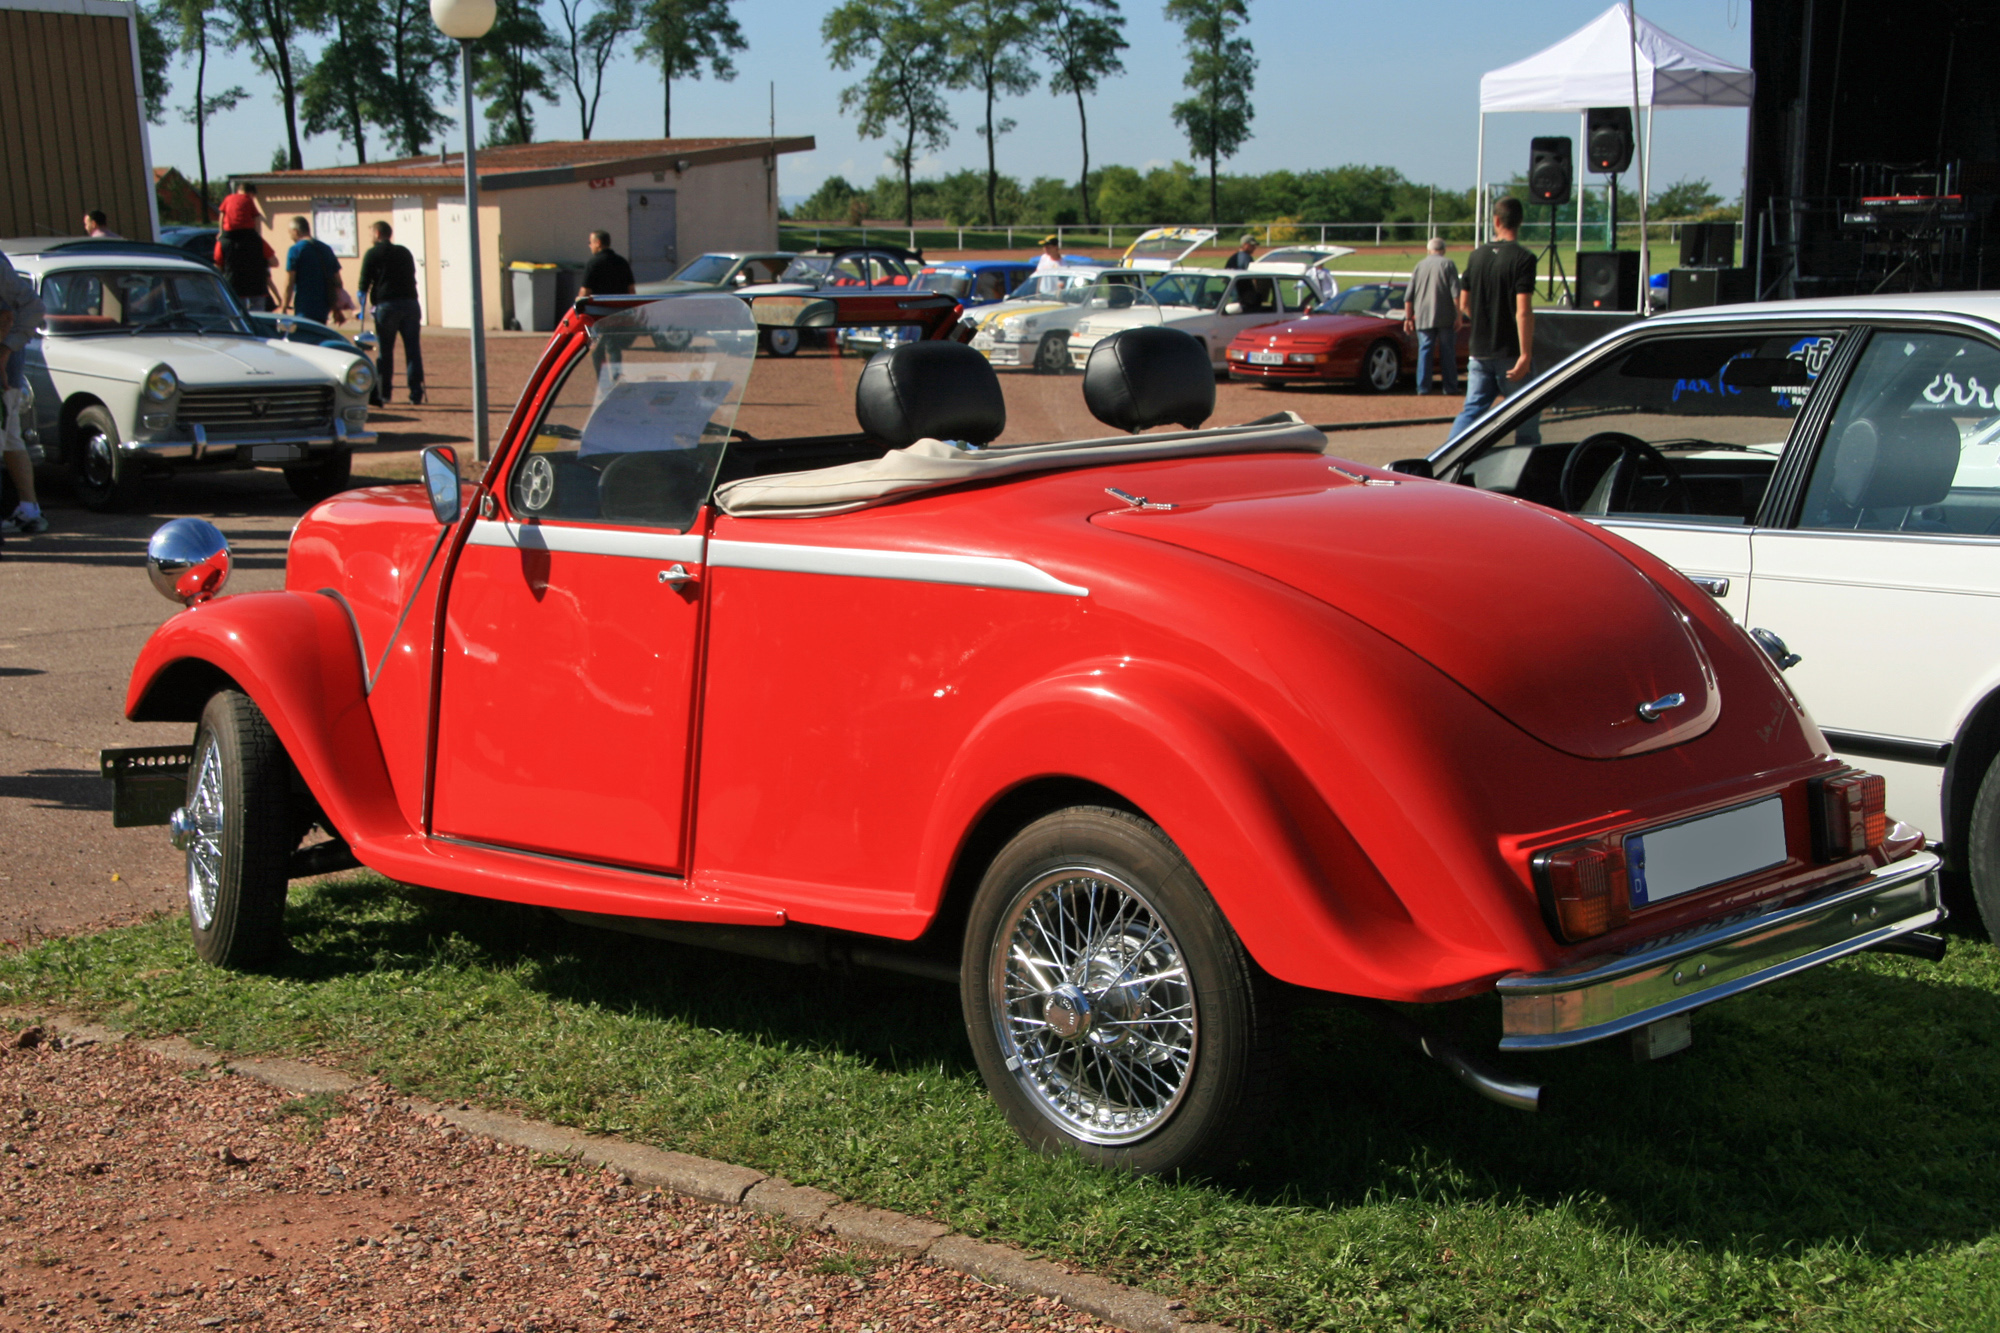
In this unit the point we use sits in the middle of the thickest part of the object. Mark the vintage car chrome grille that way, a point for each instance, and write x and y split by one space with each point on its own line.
281 407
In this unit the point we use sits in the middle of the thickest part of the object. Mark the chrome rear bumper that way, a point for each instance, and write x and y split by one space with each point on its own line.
1604 996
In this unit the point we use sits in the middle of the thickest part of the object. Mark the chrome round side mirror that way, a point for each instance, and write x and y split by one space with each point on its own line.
188 560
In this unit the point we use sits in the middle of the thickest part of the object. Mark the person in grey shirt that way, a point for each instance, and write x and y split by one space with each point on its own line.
1431 312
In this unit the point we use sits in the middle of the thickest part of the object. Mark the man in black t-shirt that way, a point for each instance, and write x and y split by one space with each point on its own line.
389 280
607 273
1497 299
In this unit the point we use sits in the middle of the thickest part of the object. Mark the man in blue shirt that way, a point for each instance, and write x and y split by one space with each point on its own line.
312 275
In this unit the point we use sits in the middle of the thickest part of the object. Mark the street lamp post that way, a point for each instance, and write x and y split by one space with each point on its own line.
467 21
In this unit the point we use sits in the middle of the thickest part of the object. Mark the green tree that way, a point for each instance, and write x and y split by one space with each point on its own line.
1082 39
509 68
156 51
184 25
989 53
586 40
1688 198
422 69
903 46
348 86
684 36
1221 72
271 29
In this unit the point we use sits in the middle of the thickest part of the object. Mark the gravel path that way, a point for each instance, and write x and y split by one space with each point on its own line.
135 1194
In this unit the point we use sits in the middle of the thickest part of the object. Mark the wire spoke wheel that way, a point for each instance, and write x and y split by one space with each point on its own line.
238 828
1098 1017
204 853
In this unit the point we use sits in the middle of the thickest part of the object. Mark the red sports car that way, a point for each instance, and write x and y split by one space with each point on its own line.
1127 737
1356 338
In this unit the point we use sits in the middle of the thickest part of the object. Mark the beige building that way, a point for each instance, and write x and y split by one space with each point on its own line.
663 201
72 129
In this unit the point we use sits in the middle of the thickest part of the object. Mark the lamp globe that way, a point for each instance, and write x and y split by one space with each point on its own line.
463 19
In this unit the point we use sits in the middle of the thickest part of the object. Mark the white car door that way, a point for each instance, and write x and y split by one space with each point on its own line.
1250 300
1887 584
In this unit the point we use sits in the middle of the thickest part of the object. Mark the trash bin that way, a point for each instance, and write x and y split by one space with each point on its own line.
534 296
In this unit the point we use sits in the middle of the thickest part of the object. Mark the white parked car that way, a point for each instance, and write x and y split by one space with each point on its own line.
1032 326
1212 304
1830 471
146 365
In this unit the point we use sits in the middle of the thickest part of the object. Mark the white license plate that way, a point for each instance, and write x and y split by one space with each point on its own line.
1666 862
277 453
1267 358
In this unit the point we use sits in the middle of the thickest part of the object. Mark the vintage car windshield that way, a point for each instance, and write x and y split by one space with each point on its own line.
100 300
807 268
951 284
635 433
705 268
1373 299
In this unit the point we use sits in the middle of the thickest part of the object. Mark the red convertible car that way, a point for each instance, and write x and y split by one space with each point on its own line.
1356 338
1134 738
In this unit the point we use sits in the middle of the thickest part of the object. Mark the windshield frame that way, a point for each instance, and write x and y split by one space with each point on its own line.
228 321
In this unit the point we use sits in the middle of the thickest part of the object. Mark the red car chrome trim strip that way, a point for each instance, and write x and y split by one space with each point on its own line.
683 546
973 571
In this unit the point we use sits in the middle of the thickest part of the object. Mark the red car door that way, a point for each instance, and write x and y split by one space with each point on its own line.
571 632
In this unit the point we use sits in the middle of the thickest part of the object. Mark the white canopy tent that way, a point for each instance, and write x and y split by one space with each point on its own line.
1614 60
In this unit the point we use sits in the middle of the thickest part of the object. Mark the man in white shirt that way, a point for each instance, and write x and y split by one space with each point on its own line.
1051 255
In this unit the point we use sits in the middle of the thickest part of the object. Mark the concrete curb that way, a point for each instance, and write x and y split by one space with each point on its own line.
996 1264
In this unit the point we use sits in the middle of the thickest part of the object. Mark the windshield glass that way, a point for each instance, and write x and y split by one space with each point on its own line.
1373 299
705 268
807 268
136 300
635 434
950 283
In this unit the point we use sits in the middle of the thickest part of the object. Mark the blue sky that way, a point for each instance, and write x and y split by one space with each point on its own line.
1338 82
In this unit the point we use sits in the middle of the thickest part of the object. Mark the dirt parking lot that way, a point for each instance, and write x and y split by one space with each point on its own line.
75 605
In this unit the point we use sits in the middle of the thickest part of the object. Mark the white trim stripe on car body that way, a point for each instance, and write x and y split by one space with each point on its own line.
972 571
582 540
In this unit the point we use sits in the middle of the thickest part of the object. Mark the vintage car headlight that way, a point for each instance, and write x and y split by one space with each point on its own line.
360 376
161 383
1014 327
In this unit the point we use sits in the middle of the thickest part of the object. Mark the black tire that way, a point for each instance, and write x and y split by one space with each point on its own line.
106 477
1052 354
1982 850
244 826
782 342
326 475
1211 1074
1381 367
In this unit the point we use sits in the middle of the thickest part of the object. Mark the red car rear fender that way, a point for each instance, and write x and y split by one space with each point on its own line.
1306 901
294 654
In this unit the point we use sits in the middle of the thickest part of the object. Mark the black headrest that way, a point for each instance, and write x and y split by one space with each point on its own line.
1902 462
943 390
1149 376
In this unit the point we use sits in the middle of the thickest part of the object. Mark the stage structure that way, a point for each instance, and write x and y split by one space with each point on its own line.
1874 147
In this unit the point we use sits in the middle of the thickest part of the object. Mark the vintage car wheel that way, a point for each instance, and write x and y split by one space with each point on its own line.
1111 1008
328 475
781 342
1982 850
106 477
240 829
1382 367
1052 354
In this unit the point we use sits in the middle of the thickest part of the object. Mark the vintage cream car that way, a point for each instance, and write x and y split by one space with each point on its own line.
147 365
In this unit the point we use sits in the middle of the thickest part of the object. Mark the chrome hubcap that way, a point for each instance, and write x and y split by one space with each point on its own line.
98 463
1095 1013
200 822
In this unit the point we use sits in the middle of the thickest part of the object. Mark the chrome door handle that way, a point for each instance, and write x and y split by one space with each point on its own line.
1712 584
676 575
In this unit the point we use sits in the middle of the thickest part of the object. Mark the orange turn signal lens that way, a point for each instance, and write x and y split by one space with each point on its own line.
1583 887
1850 815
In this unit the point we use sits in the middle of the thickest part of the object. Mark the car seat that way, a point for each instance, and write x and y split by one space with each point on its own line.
1904 463
1149 376
939 390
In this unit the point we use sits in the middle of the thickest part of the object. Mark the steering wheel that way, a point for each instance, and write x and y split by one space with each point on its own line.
1679 499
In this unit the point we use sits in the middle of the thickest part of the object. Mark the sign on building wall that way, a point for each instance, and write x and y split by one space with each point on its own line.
333 222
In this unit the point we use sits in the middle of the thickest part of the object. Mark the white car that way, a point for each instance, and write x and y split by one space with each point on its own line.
1830 471
1032 326
1212 304
146 364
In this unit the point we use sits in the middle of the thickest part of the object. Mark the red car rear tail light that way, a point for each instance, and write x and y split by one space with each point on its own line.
1849 815
1583 888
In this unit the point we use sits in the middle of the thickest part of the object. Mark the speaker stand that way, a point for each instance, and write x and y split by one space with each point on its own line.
1555 262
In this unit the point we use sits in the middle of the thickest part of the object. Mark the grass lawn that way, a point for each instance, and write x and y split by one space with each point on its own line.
1826 1157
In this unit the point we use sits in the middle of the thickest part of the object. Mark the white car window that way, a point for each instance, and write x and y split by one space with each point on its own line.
1915 443
1687 428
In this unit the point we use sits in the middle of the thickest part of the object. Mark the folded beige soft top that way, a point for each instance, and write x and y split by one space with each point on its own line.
930 464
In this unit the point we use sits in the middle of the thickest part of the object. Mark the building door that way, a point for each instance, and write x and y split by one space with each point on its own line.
649 218
454 266
406 215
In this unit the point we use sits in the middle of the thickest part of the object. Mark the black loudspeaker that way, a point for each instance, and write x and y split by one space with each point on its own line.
1607 280
1549 171
1708 245
1691 287
1607 139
